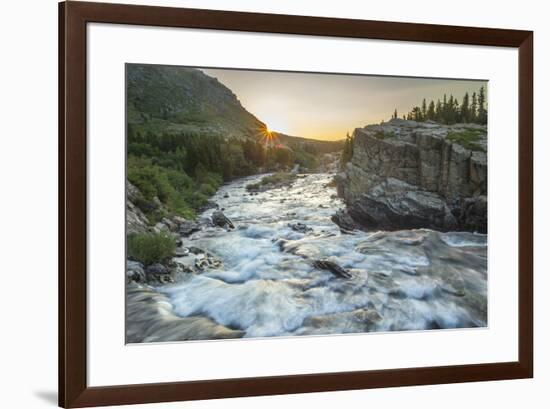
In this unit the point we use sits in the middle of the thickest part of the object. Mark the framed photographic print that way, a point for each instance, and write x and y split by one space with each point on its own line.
256 204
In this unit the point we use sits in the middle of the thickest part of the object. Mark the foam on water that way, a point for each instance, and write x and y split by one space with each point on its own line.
268 286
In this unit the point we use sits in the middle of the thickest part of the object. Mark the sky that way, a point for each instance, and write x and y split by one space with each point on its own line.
327 106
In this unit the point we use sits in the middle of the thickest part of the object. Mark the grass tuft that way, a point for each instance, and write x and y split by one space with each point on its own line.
467 138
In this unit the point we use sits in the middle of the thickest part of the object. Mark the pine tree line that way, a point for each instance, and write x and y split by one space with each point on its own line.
450 111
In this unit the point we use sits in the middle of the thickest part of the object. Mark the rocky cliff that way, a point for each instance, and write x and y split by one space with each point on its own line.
407 174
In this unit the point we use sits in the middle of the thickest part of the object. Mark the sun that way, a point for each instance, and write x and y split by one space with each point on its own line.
266 136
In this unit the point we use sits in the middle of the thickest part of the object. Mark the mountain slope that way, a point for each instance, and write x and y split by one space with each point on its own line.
178 99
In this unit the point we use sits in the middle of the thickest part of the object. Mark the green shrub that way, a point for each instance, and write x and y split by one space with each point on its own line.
150 248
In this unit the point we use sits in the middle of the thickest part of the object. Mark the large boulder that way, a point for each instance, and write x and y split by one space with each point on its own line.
394 205
221 220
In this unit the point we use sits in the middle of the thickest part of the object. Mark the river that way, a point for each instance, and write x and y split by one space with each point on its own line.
405 280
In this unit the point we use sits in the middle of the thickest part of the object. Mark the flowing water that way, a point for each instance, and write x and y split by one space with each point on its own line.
268 286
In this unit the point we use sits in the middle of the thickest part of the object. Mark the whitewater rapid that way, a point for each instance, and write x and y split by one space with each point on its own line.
406 280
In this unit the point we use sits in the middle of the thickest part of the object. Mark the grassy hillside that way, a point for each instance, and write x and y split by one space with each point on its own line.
177 99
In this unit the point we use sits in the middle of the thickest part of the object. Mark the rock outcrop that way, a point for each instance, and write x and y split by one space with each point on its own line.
136 221
407 174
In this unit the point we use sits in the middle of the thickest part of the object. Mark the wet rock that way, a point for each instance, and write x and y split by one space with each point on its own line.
187 228
159 274
473 214
181 252
207 261
196 250
300 228
157 268
332 267
343 220
135 271
361 320
208 205
221 220
226 195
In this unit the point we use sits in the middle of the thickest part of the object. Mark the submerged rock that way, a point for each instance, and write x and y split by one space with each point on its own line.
300 228
361 320
443 265
150 318
206 261
332 267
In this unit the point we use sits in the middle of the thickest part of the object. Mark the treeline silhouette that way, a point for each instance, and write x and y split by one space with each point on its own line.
471 109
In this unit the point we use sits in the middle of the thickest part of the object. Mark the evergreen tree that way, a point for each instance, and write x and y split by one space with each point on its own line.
431 111
347 153
417 114
439 111
450 110
465 109
456 111
395 114
473 109
482 117
424 109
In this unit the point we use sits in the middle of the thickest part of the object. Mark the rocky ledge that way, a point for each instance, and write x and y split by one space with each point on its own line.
407 174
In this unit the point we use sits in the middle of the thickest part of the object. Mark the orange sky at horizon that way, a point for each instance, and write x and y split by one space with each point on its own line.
327 106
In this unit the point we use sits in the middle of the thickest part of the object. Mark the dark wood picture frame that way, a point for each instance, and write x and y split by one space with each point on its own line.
73 388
